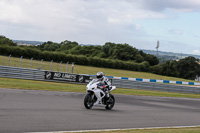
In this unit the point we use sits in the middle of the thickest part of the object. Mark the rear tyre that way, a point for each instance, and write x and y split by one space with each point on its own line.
110 102
88 101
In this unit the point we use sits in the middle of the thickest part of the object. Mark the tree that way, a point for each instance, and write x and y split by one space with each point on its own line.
153 60
139 58
124 52
188 68
169 68
119 51
49 46
89 51
108 48
67 45
6 41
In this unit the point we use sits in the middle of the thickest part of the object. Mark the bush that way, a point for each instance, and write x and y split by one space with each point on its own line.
156 69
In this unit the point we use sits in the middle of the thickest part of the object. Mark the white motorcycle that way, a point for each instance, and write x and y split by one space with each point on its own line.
96 95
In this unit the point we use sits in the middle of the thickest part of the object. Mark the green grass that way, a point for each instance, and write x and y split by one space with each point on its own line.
52 86
39 85
79 69
159 130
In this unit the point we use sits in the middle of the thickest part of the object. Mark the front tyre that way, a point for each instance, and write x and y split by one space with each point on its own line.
110 102
88 101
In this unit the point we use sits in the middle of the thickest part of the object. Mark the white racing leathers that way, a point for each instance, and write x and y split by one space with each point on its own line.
106 86
105 81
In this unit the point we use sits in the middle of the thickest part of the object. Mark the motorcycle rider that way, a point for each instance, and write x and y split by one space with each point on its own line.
104 81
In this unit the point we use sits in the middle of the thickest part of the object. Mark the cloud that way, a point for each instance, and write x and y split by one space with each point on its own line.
195 52
196 35
176 32
86 12
79 11
10 12
85 21
161 5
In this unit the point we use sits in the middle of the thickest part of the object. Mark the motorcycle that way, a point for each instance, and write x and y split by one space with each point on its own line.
97 94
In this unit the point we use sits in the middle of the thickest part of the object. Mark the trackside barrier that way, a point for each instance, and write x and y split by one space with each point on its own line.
35 74
155 86
120 82
21 73
155 80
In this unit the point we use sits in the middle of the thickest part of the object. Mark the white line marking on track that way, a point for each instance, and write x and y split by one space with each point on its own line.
116 129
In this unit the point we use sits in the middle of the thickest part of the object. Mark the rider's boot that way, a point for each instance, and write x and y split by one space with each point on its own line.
98 101
107 94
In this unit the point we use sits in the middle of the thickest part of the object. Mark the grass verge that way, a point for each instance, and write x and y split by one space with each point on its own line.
52 86
156 130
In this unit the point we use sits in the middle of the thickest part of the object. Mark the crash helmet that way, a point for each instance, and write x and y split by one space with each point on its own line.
100 75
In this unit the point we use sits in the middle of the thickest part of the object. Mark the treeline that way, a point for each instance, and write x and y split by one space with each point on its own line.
68 51
78 59
6 42
109 50
110 55
187 68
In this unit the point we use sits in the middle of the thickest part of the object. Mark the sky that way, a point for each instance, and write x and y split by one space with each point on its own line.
139 23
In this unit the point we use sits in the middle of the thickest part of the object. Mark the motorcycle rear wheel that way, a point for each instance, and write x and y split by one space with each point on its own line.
111 102
88 101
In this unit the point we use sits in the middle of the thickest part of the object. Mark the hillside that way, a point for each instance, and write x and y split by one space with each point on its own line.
163 53
23 42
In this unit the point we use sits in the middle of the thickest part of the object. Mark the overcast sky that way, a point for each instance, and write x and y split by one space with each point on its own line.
140 23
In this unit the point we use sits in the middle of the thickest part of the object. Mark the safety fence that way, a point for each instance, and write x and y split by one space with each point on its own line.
21 73
36 74
155 80
121 83
36 64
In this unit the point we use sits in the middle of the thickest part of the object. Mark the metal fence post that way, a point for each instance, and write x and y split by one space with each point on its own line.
41 64
72 67
31 63
9 60
67 66
21 61
60 66
51 65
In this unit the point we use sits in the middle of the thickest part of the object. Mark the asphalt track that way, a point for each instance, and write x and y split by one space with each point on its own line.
42 111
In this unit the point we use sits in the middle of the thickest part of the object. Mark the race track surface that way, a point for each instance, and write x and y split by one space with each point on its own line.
40 111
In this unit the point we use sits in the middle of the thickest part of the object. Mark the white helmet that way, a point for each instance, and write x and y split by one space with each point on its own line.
100 75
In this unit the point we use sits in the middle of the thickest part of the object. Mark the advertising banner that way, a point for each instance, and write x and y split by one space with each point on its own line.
68 77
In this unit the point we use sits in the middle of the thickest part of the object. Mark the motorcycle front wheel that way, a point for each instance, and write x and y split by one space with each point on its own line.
88 101
110 102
